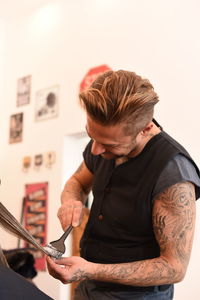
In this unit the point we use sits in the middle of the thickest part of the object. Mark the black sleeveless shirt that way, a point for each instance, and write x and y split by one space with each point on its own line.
120 224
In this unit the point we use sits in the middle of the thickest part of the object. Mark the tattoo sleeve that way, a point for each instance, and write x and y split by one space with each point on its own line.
173 222
173 219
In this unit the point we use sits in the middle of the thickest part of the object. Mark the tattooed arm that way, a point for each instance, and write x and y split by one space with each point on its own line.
74 195
173 222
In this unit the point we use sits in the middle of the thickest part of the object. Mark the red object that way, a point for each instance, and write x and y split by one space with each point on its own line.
91 75
35 217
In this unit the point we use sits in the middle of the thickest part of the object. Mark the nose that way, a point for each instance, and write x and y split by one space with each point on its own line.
97 148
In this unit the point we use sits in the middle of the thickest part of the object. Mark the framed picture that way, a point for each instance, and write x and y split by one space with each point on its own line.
38 161
50 158
23 90
26 163
16 128
35 217
47 103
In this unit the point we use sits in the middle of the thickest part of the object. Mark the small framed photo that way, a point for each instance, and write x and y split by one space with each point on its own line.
38 161
26 163
16 128
50 158
47 103
23 90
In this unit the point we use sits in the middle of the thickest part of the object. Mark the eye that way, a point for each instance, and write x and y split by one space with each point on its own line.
112 146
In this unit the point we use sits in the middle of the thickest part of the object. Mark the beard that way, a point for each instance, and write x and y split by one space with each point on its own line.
109 155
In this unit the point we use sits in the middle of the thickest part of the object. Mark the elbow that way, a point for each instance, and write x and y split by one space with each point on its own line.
178 274
181 274
176 271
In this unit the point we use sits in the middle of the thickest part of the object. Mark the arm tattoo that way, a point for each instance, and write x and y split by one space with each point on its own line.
140 273
159 226
80 275
173 220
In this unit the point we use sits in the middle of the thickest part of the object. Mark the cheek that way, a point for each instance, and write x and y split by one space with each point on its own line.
134 143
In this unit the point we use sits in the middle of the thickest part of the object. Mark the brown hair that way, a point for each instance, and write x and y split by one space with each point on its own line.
3 260
120 96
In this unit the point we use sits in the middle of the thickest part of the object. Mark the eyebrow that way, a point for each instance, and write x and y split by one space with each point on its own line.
106 145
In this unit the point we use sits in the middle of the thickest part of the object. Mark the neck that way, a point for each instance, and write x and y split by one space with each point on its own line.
146 137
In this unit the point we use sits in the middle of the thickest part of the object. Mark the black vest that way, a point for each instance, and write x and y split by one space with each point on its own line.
120 223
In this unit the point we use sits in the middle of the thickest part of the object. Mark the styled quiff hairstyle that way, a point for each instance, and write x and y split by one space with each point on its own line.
120 97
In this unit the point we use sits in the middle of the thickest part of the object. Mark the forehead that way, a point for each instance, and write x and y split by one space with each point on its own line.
106 134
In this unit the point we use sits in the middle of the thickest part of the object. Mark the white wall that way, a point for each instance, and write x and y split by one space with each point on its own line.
2 64
57 45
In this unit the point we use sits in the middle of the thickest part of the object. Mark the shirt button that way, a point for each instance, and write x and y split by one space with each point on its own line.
107 190
100 217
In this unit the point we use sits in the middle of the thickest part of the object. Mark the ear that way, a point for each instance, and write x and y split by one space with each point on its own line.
147 129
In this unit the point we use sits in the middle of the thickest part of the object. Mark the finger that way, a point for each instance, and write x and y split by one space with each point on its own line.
50 267
50 263
57 271
61 217
77 214
69 209
70 261
65 214
65 261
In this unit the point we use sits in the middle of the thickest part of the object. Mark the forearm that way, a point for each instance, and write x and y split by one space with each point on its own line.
73 199
157 271
73 190
150 272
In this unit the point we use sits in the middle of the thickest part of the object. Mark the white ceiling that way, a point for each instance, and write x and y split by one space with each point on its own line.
11 9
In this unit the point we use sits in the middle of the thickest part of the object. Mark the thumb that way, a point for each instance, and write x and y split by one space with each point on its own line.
63 261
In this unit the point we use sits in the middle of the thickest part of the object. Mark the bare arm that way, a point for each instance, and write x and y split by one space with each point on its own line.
74 195
173 222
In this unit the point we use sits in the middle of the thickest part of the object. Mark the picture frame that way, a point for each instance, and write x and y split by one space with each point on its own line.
23 90
35 218
16 128
46 103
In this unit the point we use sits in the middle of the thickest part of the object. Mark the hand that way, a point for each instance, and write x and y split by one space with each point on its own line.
70 269
70 213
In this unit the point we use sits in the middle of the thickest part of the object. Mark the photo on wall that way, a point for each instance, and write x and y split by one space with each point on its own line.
26 163
47 103
23 90
50 158
38 161
35 218
16 128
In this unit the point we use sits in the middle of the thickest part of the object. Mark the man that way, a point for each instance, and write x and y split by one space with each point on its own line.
138 239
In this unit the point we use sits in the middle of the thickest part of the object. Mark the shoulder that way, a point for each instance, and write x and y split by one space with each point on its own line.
91 161
178 169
